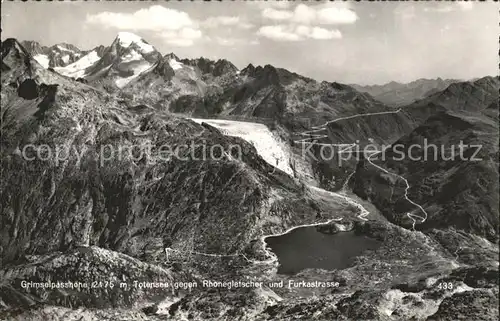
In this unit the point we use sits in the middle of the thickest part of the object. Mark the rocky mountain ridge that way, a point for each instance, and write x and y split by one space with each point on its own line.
202 87
59 55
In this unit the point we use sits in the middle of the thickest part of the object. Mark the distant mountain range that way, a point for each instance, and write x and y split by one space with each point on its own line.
400 94
203 87
130 58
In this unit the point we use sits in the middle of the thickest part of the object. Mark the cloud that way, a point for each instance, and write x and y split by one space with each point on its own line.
224 21
279 4
297 33
245 25
155 18
227 41
214 22
327 14
274 14
279 33
184 37
335 15
323 34
304 22
303 14
174 26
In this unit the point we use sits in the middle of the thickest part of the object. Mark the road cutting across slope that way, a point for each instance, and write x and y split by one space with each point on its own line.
313 135
271 150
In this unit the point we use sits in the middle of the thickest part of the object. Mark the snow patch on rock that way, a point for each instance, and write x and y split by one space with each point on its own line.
42 60
63 49
131 56
164 306
65 59
137 70
175 65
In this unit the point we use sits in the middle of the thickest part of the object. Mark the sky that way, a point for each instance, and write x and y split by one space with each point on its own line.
343 41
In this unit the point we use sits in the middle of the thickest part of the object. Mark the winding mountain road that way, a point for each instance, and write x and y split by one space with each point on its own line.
272 150
324 127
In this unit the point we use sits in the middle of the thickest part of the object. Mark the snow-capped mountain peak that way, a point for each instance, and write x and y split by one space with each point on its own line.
128 57
125 39
130 47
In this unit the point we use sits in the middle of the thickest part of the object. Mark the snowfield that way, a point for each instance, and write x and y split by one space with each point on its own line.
42 60
131 56
77 69
269 146
174 64
65 59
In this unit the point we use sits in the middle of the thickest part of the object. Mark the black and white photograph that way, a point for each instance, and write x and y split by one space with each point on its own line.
249 160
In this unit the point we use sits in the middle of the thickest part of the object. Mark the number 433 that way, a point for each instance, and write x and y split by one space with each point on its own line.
445 286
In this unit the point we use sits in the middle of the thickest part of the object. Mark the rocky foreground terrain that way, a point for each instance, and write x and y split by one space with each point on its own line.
103 217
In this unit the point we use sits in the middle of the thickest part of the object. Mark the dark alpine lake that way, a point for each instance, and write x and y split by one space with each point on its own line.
305 248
